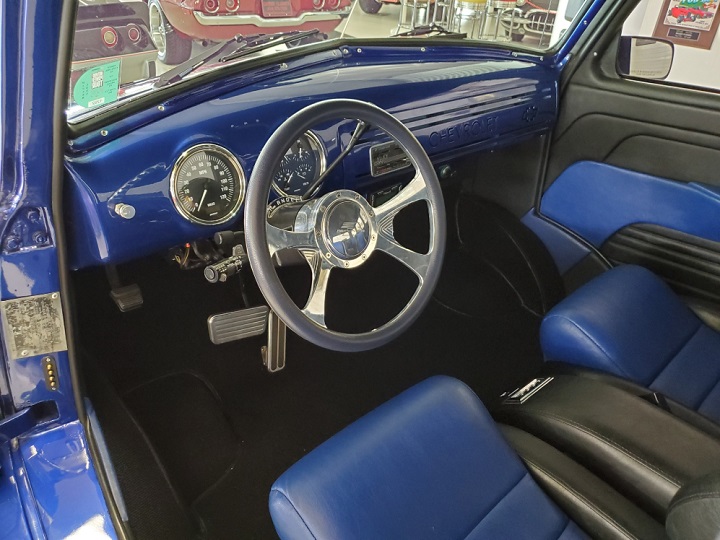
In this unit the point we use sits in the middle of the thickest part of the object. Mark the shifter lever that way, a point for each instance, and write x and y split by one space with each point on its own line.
222 270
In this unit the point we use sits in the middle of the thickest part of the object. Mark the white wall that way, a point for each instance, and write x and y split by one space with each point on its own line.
697 67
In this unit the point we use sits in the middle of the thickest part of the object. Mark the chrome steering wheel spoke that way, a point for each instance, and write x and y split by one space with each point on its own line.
415 191
315 307
417 262
279 239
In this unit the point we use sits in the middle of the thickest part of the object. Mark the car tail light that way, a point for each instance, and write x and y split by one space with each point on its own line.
109 36
134 33
232 5
211 6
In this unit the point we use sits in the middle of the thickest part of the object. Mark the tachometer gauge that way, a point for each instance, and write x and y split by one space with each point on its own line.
207 184
301 165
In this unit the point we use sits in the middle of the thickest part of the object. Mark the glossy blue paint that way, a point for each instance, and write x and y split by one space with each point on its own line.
238 76
48 487
29 53
65 487
565 250
574 34
595 200
452 107
27 420
13 522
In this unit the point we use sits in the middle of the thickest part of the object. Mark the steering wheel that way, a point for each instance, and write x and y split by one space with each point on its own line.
340 230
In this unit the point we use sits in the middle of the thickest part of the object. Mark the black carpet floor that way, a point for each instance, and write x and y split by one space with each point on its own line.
222 428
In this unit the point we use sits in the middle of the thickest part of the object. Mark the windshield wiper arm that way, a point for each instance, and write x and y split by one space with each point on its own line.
260 42
180 71
244 45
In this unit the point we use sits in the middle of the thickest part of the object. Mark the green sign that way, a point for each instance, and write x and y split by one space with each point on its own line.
98 85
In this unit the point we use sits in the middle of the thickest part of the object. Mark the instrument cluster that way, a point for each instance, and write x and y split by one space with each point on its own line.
208 183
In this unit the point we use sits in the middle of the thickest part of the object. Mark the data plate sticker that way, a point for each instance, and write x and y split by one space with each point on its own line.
99 85
33 325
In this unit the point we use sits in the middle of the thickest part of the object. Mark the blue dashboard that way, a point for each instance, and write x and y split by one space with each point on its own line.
454 106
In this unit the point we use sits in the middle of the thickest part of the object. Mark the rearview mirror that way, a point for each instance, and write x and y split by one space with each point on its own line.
645 58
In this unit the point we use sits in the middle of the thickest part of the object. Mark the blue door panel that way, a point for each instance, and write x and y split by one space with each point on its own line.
596 200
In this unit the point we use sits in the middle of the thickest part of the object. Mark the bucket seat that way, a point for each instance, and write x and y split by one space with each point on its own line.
627 322
431 463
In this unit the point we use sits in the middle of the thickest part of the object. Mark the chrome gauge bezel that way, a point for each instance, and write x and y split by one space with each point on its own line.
320 147
240 184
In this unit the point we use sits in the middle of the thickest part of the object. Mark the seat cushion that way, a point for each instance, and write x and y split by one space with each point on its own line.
430 463
628 322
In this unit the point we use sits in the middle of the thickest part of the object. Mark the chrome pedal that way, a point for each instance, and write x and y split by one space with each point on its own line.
240 324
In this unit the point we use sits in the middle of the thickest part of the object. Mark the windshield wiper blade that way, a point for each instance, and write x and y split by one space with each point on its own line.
430 29
244 45
260 42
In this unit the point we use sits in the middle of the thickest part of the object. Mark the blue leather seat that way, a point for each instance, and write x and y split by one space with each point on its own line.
629 323
430 463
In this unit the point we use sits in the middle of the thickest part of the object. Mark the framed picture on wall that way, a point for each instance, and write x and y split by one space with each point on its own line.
690 23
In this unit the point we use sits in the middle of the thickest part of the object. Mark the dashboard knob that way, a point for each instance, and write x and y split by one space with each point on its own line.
125 211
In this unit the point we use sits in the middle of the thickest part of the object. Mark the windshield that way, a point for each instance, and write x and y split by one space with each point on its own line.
124 49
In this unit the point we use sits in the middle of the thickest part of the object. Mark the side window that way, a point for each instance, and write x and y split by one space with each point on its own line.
673 41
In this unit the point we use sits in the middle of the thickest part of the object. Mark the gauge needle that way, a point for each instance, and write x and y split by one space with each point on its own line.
289 180
202 199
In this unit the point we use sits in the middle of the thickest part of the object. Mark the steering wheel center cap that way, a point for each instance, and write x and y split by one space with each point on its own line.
348 228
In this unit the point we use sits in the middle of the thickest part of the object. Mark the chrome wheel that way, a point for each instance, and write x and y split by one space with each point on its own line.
157 28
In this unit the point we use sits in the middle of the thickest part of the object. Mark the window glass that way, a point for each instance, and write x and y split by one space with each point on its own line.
691 26
123 48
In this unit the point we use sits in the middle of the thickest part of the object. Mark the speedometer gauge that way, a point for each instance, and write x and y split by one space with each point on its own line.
207 184
300 167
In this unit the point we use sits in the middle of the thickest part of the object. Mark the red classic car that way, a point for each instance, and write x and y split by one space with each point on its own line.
176 23
686 13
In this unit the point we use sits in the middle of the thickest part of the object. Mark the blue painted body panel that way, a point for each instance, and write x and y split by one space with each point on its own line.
13 522
596 200
48 486
452 107
65 488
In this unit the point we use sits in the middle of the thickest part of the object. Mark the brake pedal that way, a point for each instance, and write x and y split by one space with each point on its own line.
240 324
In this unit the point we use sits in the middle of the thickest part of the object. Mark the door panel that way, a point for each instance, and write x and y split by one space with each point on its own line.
690 264
634 170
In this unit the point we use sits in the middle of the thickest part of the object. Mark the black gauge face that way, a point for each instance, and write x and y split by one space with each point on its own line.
207 184
300 167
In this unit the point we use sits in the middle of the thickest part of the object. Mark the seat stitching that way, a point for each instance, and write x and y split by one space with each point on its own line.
502 498
590 338
708 394
674 355
568 522
610 442
295 509
580 496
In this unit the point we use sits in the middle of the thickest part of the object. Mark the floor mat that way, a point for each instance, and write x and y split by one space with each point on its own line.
183 417
272 420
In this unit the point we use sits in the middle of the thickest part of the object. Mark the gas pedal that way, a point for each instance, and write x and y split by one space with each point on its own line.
240 324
